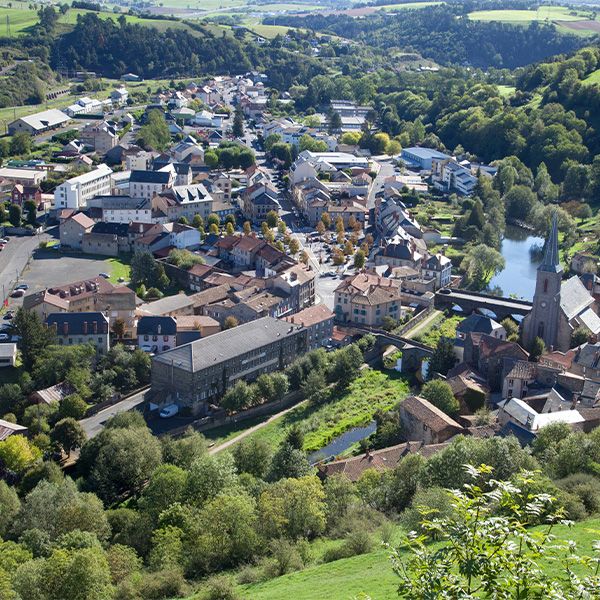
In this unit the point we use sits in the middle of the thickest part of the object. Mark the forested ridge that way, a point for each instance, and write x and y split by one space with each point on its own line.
445 34
113 49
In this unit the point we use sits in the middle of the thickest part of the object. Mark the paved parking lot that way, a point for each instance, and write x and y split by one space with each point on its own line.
50 268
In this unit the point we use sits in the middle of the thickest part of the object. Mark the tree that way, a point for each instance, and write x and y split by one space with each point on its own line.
119 461
472 557
31 208
148 272
481 263
520 201
443 357
73 406
293 508
10 505
359 260
210 476
288 461
15 215
252 456
272 219
511 328
68 434
214 219
230 322
238 122
271 140
229 230
579 336
326 220
20 144
17 454
35 336
247 228
211 159
238 397
335 122
294 246
536 349
166 486
439 393
155 133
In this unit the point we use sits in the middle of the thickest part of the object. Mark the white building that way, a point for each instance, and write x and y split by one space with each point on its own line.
84 106
141 161
123 209
145 184
119 96
75 192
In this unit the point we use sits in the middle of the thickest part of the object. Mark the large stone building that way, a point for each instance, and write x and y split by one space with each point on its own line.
198 373
366 298
558 307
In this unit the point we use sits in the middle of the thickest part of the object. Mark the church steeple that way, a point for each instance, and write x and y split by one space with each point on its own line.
551 262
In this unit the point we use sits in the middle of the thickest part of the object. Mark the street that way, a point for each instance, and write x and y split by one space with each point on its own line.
14 257
93 425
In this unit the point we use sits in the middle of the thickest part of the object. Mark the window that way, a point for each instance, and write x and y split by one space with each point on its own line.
541 330
545 286
165 338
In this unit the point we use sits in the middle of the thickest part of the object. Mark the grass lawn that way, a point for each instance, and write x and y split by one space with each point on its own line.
441 327
506 91
118 268
372 391
592 78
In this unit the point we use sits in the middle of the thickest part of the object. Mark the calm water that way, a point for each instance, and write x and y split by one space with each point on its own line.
518 277
342 442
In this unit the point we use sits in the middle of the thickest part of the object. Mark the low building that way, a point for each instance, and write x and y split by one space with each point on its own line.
101 136
73 329
517 412
25 177
197 374
156 334
193 327
39 122
145 184
318 322
422 158
366 298
7 429
8 355
422 421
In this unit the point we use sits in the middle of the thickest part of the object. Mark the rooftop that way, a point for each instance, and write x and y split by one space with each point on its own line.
226 345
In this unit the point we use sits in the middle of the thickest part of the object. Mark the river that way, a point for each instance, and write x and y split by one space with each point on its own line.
518 277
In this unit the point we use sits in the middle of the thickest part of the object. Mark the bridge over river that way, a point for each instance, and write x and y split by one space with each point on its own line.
471 301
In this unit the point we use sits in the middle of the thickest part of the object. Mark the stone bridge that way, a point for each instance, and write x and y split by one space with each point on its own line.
471 301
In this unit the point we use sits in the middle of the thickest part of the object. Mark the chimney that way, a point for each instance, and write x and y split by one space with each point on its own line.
85 327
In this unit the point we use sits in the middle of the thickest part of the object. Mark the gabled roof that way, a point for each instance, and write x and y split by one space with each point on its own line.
477 323
428 414
82 220
574 298
156 325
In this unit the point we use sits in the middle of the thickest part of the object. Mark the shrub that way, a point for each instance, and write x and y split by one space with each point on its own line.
584 487
220 588
358 542
435 500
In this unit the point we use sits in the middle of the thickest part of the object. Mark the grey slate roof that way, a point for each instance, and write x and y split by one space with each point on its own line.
574 298
157 326
478 324
225 345
76 322
551 262
150 177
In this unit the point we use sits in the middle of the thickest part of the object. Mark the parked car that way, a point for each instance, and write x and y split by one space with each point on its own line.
169 411
3 241
18 294
9 315
22 286
4 337
105 275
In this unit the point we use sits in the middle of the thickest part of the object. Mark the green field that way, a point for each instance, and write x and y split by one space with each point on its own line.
372 391
506 90
405 5
544 13
438 328
592 78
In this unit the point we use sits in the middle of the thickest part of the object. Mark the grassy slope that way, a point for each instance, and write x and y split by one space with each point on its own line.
593 78
373 390
405 5
372 574
557 13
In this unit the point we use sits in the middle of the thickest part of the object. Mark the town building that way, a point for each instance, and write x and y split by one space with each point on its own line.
72 329
422 158
318 322
439 268
156 334
75 192
39 122
8 354
7 429
73 229
145 184
101 137
27 177
366 299
197 374
424 422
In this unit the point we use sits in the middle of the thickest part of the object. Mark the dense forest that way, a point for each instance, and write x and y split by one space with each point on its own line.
113 49
444 34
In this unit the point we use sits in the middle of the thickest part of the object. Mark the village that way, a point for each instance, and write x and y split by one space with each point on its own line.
224 260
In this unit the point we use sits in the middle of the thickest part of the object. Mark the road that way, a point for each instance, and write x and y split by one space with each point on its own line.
386 170
14 257
93 425
246 433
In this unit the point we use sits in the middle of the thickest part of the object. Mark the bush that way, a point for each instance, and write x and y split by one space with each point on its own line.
584 487
220 588
358 542
435 500
162 584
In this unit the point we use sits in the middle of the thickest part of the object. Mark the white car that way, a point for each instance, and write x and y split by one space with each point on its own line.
169 411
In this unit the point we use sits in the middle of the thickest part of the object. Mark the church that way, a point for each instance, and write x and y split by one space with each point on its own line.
559 307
